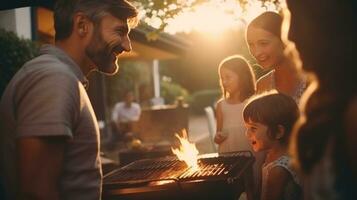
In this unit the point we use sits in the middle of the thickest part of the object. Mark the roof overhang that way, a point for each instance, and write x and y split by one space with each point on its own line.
164 47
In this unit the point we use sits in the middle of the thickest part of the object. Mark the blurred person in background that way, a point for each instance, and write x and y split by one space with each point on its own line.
125 114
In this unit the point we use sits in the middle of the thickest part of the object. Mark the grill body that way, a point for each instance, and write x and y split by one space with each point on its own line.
219 177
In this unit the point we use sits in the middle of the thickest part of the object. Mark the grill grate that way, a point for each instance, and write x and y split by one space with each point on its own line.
205 170
147 170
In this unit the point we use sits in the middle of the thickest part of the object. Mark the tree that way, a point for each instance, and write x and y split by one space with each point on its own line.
164 10
14 52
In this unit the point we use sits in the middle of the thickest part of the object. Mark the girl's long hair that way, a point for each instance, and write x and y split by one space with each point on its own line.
246 78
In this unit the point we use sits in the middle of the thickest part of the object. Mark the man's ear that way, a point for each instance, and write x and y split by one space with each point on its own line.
280 132
81 24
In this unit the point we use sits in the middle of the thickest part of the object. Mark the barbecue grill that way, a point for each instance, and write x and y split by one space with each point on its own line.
219 177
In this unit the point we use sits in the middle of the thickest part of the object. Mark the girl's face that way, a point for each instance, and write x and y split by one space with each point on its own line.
257 134
266 48
229 80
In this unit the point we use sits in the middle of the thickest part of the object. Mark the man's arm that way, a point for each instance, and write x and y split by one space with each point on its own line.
39 164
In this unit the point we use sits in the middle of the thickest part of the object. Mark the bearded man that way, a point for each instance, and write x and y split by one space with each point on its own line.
50 146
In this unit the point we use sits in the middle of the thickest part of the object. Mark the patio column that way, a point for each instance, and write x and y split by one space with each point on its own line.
156 78
157 100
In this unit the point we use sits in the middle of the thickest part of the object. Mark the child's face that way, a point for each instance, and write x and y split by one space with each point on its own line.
229 80
257 134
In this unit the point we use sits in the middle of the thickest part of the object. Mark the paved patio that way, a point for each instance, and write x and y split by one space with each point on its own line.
199 134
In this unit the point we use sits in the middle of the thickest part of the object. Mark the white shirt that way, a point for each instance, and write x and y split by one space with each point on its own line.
122 113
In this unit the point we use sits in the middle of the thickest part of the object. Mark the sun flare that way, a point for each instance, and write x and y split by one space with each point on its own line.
214 17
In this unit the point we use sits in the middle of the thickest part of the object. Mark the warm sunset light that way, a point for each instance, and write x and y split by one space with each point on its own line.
187 151
214 17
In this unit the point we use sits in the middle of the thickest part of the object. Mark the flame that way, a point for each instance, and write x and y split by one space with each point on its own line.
187 151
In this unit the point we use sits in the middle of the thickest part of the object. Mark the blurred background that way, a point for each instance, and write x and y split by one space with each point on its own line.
172 70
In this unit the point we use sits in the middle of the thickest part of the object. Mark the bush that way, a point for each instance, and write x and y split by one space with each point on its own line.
204 98
171 91
131 75
14 52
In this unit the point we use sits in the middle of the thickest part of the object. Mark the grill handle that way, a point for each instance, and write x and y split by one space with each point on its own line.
147 181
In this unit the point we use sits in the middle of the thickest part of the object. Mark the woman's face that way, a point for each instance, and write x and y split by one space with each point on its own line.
266 48
229 80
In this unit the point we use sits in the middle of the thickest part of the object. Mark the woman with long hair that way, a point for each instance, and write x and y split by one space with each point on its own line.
325 138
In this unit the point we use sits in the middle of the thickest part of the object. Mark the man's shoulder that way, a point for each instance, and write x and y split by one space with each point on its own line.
45 69
42 72
46 64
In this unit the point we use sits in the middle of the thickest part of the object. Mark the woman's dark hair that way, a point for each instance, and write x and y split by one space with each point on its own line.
273 110
64 11
329 51
268 21
246 79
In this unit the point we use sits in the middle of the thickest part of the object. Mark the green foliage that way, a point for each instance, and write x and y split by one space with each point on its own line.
14 52
130 76
171 91
204 98
164 10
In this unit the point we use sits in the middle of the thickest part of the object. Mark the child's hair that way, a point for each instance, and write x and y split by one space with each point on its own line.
273 109
246 79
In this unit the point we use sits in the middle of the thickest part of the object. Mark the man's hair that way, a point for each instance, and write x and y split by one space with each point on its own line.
246 79
273 109
64 11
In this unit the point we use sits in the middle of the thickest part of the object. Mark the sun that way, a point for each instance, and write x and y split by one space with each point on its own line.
214 17
211 17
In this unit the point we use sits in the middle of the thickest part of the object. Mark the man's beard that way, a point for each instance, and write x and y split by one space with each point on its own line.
102 54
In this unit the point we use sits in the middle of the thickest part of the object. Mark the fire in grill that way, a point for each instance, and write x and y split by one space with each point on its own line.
218 177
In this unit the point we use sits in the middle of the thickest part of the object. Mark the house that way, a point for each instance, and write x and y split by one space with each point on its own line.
36 23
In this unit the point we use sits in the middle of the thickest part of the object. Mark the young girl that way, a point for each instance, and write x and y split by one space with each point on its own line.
237 83
269 120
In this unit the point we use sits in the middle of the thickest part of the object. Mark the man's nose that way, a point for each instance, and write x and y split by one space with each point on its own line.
126 44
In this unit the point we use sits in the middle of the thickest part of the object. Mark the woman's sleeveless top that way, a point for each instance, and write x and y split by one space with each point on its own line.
298 91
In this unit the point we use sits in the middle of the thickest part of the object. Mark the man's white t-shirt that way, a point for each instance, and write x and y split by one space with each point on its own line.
123 113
